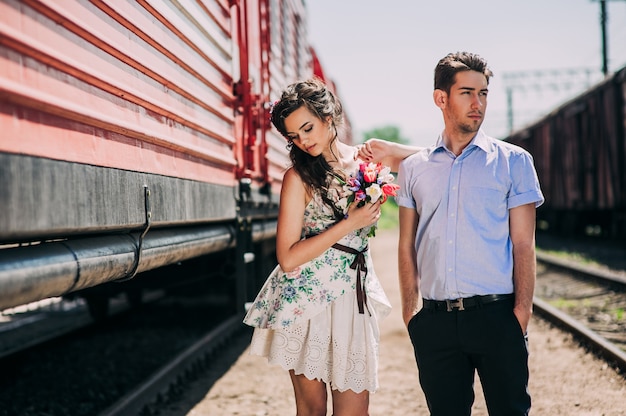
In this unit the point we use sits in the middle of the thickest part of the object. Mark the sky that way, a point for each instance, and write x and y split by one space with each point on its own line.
382 54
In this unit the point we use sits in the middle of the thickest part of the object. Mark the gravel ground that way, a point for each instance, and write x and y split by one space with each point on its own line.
565 380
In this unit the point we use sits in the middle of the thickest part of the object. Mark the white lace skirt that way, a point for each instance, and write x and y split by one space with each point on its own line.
338 346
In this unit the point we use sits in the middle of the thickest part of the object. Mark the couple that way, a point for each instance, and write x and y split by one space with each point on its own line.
466 256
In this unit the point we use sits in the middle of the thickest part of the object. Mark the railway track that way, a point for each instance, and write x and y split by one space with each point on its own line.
586 301
169 382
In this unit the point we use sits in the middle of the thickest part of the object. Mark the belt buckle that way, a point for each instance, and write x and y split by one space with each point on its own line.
454 303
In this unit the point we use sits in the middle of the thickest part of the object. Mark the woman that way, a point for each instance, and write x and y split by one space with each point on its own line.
317 314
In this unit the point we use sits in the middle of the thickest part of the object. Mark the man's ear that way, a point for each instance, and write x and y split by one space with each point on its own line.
440 97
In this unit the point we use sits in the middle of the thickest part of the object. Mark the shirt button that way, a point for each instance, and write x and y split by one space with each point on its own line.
450 269
452 215
450 242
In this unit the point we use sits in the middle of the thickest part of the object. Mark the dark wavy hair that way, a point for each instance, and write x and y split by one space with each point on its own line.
313 94
452 63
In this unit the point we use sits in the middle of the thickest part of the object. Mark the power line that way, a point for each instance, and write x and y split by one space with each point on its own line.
539 80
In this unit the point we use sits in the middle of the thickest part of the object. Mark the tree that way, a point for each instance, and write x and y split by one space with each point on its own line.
389 133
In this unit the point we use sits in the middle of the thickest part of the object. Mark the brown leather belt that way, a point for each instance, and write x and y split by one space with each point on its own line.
462 304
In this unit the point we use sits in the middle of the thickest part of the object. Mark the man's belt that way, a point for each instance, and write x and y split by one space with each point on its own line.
462 304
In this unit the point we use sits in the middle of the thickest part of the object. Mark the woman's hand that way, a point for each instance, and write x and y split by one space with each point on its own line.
385 152
360 217
374 150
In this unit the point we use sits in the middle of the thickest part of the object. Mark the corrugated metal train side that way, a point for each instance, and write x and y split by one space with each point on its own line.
135 139
580 156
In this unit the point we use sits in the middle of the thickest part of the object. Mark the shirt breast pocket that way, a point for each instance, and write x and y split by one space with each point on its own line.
484 205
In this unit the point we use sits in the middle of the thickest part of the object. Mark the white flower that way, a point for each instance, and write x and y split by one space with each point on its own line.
386 179
385 176
374 192
384 172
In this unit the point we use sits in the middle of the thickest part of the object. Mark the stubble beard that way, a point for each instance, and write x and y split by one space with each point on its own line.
470 127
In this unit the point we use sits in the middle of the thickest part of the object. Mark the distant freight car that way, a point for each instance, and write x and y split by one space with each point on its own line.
135 137
580 155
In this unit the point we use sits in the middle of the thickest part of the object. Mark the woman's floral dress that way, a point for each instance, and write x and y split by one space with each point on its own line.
307 320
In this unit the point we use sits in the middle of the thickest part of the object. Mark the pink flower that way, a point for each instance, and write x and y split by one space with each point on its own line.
360 195
353 184
389 189
370 173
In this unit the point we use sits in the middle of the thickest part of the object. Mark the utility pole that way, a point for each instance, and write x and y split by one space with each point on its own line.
603 21
605 59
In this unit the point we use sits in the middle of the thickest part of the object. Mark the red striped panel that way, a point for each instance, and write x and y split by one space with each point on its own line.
138 87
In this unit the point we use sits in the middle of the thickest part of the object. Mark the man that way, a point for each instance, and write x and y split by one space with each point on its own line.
467 252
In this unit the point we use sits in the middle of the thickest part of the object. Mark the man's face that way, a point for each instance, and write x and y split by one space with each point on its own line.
467 101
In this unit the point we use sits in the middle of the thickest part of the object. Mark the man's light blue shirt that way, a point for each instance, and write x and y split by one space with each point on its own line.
462 242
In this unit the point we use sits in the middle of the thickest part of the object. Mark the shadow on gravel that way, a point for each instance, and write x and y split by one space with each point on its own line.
611 253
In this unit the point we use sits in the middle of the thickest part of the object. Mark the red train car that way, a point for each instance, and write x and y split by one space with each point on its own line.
134 137
580 155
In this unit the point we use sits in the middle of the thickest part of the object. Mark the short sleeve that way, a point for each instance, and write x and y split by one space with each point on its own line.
525 188
404 197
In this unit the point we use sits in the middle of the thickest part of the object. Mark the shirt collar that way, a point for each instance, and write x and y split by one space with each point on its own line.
480 140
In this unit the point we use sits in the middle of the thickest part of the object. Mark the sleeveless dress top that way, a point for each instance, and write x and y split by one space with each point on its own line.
308 319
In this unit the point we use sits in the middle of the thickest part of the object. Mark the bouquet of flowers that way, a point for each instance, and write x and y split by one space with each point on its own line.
372 182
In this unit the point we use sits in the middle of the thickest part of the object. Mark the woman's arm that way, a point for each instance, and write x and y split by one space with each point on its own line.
291 251
386 152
